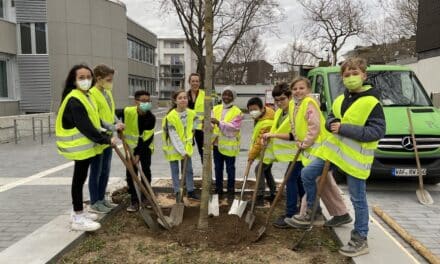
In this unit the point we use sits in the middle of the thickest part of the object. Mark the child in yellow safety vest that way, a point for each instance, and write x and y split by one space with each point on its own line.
356 124
263 121
139 135
100 166
226 118
281 148
307 124
177 138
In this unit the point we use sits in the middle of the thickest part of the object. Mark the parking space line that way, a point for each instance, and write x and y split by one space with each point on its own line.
44 173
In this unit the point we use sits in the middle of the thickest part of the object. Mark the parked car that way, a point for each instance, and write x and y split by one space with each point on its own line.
399 89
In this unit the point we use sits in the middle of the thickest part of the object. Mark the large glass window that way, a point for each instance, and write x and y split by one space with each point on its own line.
3 80
40 38
140 51
140 83
26 39
397 88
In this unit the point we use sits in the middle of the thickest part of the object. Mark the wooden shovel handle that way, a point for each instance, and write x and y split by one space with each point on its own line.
416 152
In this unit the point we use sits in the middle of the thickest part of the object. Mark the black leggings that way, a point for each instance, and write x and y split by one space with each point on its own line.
80 172
145 160
198 137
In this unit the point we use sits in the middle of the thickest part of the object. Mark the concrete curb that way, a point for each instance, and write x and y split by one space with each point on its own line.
383 247
48 243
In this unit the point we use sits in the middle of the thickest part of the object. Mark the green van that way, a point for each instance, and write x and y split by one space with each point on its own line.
400 89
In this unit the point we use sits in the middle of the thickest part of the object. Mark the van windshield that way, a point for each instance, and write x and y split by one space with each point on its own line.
398 88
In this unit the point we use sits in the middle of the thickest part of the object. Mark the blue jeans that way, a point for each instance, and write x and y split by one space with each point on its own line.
174 165
99 175
356 188
358 196
219 160
294 189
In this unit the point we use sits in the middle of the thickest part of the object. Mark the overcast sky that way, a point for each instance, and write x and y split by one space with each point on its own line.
147 13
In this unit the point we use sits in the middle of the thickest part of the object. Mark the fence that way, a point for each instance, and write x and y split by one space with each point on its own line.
15 128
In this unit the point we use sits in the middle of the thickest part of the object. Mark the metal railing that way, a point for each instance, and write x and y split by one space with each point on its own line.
37 127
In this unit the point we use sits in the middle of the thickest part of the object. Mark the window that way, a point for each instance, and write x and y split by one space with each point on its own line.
3 80
33 38
140 83
40 38
2 10
26 40
175 60
140 51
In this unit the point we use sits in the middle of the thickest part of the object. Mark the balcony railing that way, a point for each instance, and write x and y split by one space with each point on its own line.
171 75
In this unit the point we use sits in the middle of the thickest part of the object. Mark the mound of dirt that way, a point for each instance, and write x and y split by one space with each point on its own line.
225 232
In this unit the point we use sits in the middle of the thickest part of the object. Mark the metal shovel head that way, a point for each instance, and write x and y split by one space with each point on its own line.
260 233
238 207
168 219
250 219
176 214
148 219
213 209
424 197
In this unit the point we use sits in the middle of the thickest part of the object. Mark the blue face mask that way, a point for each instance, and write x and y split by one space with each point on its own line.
145 106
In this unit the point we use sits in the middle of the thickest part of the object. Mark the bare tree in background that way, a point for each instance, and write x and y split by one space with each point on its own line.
249 48
401 16
332 22
232 19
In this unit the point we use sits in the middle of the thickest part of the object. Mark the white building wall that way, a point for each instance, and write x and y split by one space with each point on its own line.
427 71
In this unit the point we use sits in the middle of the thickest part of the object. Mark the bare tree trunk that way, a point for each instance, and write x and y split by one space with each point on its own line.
207 178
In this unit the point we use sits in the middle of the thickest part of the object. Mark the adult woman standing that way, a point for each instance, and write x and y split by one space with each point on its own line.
196 102
79 138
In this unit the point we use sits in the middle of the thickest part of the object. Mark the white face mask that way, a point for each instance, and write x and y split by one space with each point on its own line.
84 84
255 114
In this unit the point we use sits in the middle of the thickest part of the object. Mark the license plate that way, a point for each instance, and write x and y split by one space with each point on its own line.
402 172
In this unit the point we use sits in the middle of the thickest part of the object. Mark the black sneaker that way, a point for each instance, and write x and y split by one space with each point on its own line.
280 223
192 195
338 220
356 246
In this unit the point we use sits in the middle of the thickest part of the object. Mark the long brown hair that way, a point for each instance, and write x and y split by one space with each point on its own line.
174 98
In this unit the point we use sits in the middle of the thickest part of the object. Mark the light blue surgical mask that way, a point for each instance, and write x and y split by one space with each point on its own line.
145 106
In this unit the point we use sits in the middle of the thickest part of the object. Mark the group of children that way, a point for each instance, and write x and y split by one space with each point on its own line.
347 139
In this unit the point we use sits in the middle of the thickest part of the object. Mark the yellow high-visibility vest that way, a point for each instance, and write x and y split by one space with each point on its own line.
300 125
106 111
280 150
199 108
131 131
185 135
228 146
261 124
353 157
71 143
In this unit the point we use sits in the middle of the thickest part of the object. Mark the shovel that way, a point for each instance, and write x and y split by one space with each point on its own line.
144 188
250 216
238 205
422 195
321 185
177 210
213 207
262 229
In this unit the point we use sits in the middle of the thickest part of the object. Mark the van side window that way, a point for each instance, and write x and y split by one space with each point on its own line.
319 85
311 81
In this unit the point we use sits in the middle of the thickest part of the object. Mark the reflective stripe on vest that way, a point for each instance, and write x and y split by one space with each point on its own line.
70 142
228 146
283 150
199 108
185 134
353 157
301 128
131 131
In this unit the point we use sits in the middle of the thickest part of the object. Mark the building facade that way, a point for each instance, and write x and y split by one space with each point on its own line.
176 61
45 38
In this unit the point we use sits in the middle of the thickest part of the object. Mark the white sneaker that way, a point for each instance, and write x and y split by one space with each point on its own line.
86 214
82 223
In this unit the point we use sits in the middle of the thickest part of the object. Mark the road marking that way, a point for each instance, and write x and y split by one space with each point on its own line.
393 239
45 173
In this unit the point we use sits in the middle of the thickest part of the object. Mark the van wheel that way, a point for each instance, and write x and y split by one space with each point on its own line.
432 180
339 176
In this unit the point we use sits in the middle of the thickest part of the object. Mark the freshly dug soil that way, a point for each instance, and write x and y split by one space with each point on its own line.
225 232
124 238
